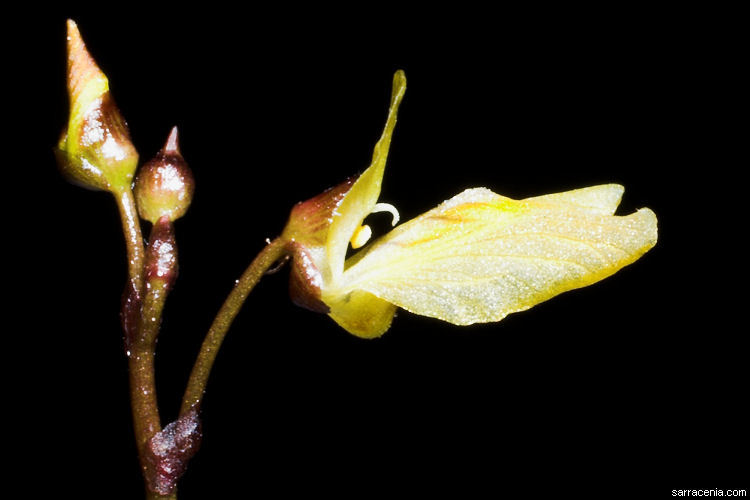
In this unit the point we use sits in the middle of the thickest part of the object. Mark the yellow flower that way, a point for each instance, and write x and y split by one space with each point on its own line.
475 258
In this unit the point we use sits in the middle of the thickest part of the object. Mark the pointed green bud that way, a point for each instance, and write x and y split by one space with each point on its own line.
94 150
165 185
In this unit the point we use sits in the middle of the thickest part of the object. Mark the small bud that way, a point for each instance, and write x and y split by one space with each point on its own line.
165 185
94 150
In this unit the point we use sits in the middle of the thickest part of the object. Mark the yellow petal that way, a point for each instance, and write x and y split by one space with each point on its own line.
363 196
480 256
601 200
361 313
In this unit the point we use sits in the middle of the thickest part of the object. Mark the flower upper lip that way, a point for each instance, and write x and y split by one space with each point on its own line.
320 229
362 198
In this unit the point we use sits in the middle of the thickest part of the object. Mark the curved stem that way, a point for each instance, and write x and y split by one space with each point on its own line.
131 228
215 336
141 367
141 340
143 401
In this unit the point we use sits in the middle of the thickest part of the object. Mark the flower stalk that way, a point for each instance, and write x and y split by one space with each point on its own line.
131 229
160 272
196 386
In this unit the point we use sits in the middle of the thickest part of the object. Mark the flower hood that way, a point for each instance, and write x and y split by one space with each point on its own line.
319 231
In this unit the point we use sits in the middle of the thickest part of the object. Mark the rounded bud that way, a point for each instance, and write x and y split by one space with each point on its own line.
164 185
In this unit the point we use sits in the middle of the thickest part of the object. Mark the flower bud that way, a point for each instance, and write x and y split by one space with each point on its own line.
164 185
94 150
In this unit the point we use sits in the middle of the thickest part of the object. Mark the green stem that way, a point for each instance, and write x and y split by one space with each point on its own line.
146 421
141 345
131 228
232 305
141 367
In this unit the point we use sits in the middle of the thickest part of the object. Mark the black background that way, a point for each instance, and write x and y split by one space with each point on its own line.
635 384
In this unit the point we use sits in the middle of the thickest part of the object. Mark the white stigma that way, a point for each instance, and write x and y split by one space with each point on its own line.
387 207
